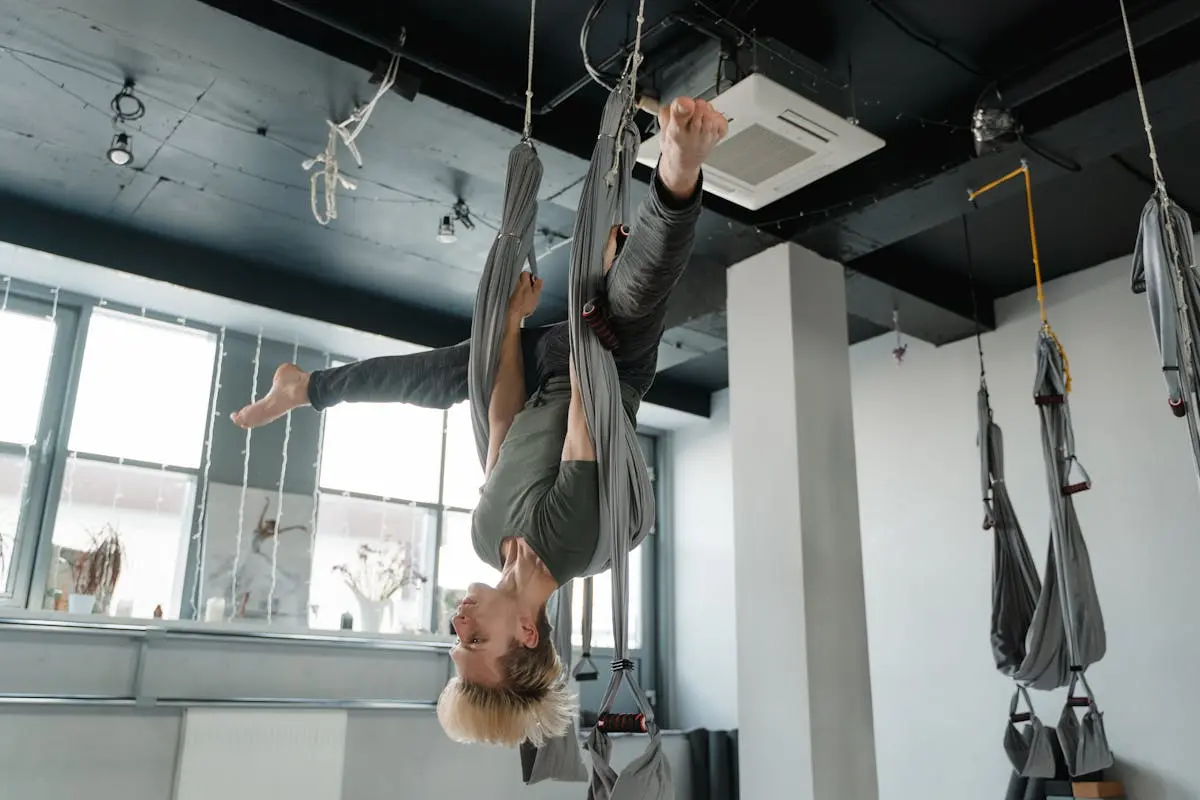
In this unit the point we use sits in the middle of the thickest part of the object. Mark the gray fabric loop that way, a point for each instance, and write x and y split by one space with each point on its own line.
559 758
1084 741
1029 750
626 494
1015 582
510 250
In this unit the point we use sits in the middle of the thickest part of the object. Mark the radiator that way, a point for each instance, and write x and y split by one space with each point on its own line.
252 755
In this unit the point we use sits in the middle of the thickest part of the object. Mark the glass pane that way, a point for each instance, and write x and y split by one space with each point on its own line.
602 627
26 345
458 566
149 511
257 556
384 449
14 471
144 390
370 561
464 476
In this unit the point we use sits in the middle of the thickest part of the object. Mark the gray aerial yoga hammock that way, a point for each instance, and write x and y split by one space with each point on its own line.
558 758
1164 267
1045 634
626 495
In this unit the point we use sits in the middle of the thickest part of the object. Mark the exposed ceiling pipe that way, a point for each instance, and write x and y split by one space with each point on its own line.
516 100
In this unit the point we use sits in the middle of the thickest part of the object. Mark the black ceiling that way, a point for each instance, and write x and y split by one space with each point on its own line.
237 94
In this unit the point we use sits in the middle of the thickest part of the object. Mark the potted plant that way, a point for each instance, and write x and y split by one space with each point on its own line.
96 571
376 576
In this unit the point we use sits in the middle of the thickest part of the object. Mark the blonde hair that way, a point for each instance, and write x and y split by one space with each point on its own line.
532 704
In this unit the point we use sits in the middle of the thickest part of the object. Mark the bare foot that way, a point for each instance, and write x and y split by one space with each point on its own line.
289 389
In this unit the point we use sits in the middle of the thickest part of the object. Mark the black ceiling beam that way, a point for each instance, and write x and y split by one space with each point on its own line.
108 244
1101 46
1082 120
680 396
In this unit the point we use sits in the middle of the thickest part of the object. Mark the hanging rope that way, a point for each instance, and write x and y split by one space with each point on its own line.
527 129
1023 171
974 300
346 132
510 251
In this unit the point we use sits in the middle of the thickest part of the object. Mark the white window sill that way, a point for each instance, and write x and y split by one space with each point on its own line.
51 658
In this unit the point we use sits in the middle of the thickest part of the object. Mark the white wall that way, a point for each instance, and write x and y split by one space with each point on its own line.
939 704
705 694
111 754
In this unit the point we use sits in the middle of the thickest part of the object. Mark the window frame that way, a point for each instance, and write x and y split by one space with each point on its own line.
68 317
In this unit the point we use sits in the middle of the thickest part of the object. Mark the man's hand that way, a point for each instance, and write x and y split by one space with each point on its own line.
525 297
690 129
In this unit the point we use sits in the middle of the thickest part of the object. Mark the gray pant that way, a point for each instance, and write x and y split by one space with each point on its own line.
638 288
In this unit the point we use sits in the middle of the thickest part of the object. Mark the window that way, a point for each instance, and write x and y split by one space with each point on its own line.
380 483
136 443
370 557
151 509
458 567
143 390
464 475
28 343
26 351
383 449
602 622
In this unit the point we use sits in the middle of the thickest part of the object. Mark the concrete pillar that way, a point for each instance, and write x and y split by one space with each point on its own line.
804 687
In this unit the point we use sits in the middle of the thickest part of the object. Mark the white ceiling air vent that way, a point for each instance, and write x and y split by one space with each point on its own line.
778 142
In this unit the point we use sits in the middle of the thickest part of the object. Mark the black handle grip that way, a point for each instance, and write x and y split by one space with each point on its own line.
622 723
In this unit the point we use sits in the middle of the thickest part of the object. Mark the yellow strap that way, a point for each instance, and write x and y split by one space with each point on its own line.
1023 171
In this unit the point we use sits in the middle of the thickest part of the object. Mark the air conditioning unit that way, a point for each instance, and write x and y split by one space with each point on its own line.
779 139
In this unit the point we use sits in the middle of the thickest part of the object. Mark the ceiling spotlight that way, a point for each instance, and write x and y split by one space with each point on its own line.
445 233
121 151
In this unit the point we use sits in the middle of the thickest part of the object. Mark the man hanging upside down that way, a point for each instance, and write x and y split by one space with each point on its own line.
538 518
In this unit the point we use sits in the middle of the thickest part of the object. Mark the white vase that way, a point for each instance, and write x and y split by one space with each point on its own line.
81 603
371 613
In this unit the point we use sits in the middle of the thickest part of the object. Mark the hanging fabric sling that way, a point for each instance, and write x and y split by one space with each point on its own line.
559 758
626 495
1015 582
1064 635
1164 267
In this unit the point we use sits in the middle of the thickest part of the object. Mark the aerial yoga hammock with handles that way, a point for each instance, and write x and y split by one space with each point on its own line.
1164 268
626 494
1045 634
